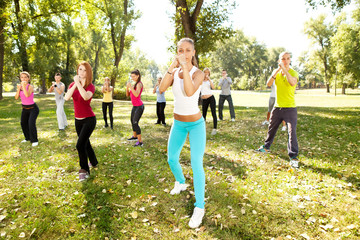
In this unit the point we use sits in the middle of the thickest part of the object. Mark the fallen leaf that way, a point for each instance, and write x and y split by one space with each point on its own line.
243 211
304 235
134 214
2 217
142 209
145 220
22 235
351 227
3 234
128 182
156 230
254 212
104 190
327 227
176 230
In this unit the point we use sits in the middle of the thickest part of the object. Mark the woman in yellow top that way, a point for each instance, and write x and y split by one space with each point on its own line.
107 90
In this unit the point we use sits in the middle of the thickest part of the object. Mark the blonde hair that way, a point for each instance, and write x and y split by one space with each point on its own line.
207 69
283 53
189 40
25 73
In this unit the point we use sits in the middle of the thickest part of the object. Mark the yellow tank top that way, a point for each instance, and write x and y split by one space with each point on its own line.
107 97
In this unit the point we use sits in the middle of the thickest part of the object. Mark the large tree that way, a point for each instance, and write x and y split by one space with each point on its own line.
4 16
336 5
320 33
204 22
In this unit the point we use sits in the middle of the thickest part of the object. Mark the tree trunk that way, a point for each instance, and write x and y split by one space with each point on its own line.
118 54
343 88
20 42
2 53
96 61
327 87
43 84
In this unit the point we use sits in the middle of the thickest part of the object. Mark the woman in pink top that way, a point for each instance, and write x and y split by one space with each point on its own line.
82 90
138 107
30 110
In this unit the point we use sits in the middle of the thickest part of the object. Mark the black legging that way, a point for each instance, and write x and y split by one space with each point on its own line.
84 129
29 115
160 107
136 114
104 109
205 105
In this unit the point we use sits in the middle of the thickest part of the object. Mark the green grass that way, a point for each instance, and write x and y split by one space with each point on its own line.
248 195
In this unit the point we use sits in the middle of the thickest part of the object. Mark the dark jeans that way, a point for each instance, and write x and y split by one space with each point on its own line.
205 105
105 105
221 106
84 129
289 115
160 107
29 115
136 114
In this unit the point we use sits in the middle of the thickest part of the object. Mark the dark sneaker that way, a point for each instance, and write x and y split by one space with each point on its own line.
83 175
92 166
132 138
294 162
164 124
138 144
262 149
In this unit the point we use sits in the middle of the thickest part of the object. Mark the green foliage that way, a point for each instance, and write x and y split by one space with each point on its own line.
336 5
247 61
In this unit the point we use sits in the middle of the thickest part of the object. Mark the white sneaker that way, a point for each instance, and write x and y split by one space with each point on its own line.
233 119
196 218
178 188
34 144
294 163
213 132
283 128
266 122
24 141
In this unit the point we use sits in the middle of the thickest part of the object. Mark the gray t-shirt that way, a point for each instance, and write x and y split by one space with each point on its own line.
225 86
57 95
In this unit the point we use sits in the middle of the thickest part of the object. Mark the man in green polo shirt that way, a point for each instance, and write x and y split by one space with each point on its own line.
285 79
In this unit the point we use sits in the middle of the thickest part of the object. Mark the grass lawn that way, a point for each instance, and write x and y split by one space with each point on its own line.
248 195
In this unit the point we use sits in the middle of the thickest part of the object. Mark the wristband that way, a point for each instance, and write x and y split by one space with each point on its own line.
273 77
169 72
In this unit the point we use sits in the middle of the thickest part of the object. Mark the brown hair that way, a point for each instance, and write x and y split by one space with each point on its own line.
137 73
189 40
89 73
25 73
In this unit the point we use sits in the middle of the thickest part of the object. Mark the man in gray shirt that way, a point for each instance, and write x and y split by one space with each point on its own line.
225 94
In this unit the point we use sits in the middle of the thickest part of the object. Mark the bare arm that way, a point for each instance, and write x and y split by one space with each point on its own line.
17 95
136 91
86 95
61 89
211 84
28 91
292 80
192 85
51 89
154 91
271 79
70 92
168 78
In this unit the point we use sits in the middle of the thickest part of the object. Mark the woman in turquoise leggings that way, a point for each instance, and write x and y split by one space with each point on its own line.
186 80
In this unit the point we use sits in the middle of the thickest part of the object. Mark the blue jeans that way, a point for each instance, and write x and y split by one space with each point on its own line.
221 106
197 138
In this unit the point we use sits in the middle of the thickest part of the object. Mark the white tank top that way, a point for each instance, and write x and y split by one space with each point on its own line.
206 88
184 105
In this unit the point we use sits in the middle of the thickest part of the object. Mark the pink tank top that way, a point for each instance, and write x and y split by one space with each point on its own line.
27 100
136 101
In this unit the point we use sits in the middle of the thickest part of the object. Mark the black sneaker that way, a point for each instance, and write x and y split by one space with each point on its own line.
132 138
138 144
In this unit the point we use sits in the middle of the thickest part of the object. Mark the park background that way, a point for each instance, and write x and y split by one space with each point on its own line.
249 195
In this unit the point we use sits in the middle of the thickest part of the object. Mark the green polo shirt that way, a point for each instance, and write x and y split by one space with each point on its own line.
285 93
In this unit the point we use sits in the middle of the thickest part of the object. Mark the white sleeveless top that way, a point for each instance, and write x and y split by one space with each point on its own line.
206 88
184 105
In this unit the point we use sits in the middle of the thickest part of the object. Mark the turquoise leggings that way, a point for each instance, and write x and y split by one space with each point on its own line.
197 138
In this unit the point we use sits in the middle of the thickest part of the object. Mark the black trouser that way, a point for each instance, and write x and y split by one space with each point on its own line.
84 129
136 114
205 105
29 115
289 115
104 109
160 107
221 106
